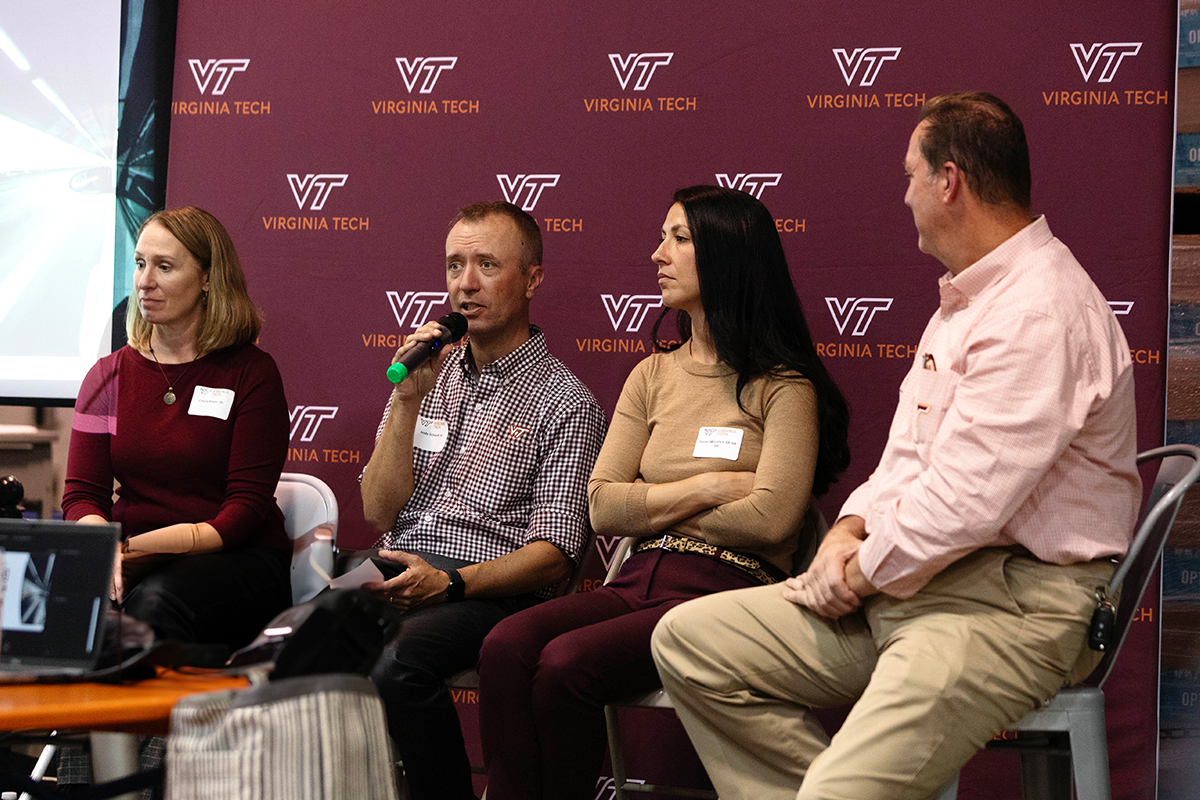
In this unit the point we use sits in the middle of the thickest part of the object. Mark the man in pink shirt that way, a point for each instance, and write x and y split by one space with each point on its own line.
953 593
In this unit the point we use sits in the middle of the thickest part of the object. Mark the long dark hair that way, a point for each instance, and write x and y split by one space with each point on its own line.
753 313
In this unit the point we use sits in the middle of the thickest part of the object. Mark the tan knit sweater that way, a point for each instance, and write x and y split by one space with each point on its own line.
666 400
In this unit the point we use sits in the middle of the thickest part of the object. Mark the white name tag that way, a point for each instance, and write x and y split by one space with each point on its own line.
718 443
208 402
431 434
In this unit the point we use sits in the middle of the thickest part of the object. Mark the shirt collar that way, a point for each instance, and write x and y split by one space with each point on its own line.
957 291
530 352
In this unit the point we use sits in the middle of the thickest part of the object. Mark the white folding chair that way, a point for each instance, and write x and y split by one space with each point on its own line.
810 538
310 516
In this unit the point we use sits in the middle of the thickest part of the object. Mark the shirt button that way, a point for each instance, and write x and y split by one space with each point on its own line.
479 406
429 517
462 449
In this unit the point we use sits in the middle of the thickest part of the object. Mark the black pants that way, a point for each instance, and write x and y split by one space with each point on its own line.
214 598
424 648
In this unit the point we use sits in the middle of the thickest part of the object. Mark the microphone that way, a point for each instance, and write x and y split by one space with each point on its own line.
455 326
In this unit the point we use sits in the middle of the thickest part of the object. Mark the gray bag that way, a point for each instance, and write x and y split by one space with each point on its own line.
317 737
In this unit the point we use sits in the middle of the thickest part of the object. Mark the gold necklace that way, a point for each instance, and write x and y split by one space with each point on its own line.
169 397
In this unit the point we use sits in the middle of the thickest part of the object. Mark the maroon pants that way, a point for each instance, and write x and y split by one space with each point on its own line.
545 673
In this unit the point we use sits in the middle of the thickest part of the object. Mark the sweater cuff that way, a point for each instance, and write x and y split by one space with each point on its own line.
635 508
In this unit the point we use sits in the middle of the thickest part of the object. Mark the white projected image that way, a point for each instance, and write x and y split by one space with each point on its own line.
58 142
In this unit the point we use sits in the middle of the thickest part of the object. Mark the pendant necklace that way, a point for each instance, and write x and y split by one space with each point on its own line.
169 397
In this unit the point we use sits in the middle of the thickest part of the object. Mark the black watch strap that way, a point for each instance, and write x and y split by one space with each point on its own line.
457 588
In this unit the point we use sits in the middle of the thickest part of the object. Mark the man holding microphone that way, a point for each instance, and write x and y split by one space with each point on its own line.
478 484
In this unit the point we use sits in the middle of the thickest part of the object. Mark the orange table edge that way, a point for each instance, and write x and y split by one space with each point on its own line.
137 707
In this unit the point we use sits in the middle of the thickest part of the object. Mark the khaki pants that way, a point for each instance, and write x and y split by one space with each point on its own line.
932 678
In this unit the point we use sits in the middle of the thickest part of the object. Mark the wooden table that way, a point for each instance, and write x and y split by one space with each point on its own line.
114 714
142 707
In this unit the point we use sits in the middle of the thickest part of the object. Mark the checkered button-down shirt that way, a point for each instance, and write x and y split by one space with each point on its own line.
520 440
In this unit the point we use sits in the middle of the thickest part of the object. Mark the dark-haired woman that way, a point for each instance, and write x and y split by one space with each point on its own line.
191 420
714 451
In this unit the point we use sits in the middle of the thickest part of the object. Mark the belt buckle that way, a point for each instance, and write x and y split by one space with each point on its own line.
669 544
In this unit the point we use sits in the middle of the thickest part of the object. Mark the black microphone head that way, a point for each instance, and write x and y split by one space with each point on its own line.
455 325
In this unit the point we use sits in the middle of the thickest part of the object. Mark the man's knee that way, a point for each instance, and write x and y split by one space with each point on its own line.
406 681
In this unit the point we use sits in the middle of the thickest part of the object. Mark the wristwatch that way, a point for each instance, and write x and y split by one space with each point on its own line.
457 588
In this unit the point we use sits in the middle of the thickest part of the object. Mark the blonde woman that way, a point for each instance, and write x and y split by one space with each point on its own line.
190 420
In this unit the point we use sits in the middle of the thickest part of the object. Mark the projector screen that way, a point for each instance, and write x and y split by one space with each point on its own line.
58 142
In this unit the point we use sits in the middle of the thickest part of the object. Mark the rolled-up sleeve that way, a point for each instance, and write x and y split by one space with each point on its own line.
569 449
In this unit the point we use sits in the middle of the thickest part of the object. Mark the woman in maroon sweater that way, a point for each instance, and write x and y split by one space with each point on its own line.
190 420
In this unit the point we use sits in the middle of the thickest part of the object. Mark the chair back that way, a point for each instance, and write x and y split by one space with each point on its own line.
310 517
1177 471
620 553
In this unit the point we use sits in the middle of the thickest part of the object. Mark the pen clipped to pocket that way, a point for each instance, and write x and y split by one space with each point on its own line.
933 392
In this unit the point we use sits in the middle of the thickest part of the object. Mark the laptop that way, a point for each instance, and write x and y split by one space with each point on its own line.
56 581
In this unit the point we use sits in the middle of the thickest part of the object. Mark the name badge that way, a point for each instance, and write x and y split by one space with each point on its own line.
718 443
431 434
208 402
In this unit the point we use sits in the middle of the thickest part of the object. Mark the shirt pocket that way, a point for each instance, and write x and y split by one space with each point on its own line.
933 393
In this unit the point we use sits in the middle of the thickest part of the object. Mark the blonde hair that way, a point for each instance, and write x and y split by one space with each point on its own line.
227 316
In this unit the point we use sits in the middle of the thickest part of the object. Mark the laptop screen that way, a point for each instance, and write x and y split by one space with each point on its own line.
56 580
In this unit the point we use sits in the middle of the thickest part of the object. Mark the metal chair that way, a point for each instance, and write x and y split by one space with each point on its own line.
1075 749
813 532
310 517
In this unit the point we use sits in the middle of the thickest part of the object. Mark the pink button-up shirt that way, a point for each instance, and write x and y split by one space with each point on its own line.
1015 425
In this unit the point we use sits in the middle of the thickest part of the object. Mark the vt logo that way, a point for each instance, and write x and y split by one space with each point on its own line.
643 64
416 307
1111 54
607 547
869 58
527 186
221 68
637 306
1121 307
860 309
751 182
430 68
312 415
318 186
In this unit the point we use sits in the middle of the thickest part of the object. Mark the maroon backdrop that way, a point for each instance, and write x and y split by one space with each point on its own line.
336 141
